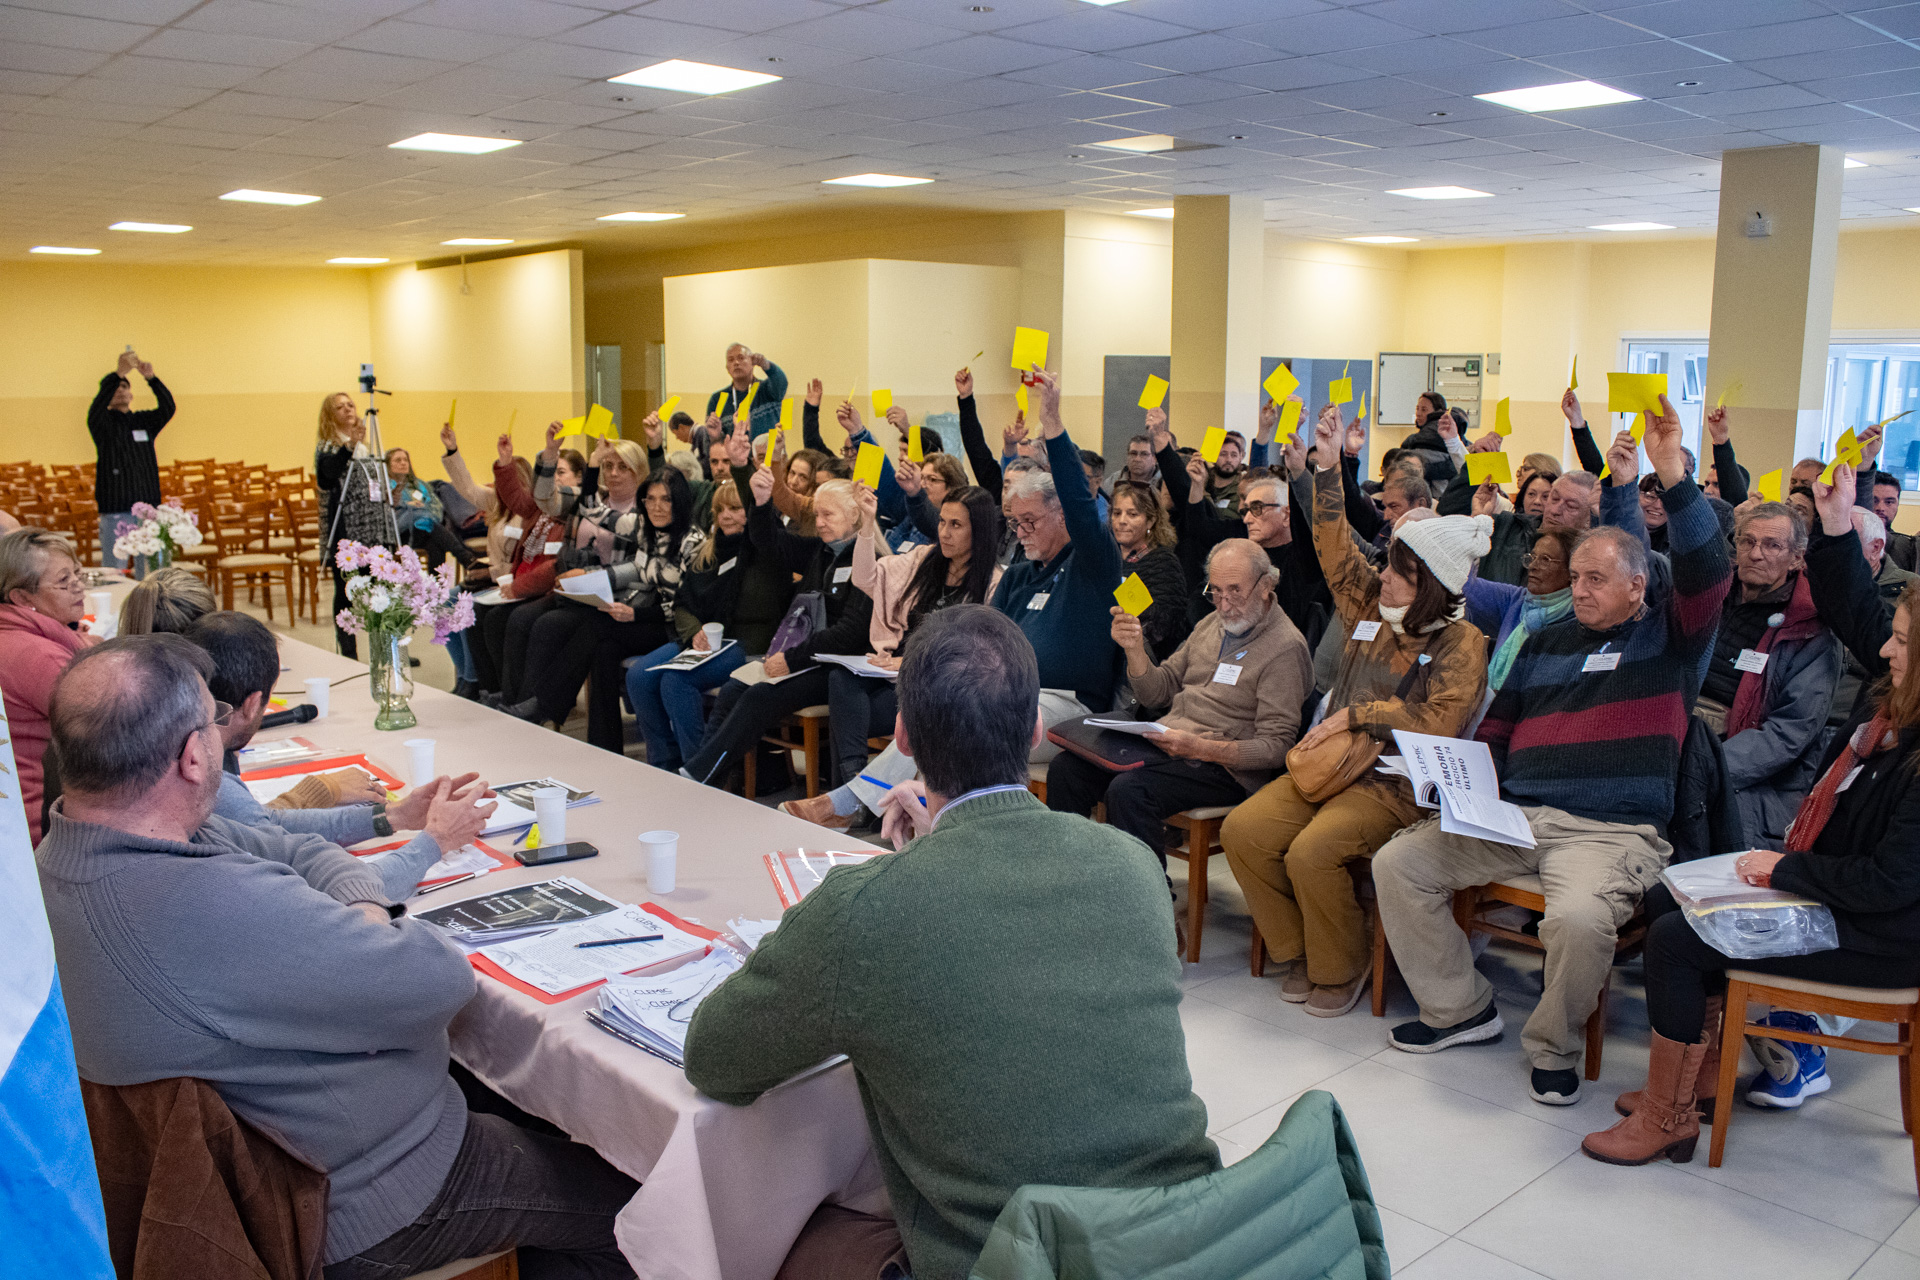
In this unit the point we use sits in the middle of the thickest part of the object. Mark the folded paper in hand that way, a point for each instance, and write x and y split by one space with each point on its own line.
1456 776
858 664
1144 728
593 583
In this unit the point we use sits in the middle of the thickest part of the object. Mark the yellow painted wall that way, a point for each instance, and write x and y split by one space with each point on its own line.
247 352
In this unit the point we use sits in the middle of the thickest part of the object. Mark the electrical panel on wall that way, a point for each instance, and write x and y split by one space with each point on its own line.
1458 379
1405 374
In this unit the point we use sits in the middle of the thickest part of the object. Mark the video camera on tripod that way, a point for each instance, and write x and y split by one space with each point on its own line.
364 505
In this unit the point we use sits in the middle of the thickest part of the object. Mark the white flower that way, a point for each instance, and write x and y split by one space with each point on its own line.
378 601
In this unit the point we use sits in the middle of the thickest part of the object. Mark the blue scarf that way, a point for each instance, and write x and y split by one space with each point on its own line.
1535 612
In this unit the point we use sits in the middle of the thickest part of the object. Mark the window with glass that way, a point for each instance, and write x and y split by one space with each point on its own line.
1685 364
1870 382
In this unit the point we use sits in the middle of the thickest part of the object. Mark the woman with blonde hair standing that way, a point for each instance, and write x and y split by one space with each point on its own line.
356 511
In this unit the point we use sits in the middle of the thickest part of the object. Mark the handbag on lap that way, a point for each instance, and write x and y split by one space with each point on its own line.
1112 750
1323 771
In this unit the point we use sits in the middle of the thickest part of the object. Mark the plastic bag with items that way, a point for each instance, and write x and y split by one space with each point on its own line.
1744 921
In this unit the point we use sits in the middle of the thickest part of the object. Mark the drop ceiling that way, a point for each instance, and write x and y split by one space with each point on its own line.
149 110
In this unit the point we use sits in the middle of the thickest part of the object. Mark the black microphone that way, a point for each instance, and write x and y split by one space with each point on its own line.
293 715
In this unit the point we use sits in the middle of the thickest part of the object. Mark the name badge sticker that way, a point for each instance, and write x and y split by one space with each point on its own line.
728 566
1038 600
141 437
553 548
1364 631
842 574
1750 660
1227 673
1601 662
1851 775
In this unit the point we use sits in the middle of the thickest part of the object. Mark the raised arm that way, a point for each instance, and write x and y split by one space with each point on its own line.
1354 583
1094 549
1620 491
1844 594
1726 470
455 466
986 467
1583 446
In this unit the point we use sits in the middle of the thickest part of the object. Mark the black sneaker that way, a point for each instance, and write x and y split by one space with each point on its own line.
1418 1037
1555 1088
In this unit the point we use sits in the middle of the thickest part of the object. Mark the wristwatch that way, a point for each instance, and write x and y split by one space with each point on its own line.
382 826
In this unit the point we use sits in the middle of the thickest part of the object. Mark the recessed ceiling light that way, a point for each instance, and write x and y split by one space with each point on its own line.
1914 210
1631 226
1442 193
460 144
250 196
1102 3
1163 212
164 228
61 248
1686 84
1851 163
475 240
636 216
1146 142
693 77
1558 97
1383 239
876 180
356 262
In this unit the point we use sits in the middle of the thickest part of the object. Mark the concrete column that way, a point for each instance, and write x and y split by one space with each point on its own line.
1219 266
1773 299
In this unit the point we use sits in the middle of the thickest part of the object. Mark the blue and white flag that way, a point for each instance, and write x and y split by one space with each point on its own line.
51 1221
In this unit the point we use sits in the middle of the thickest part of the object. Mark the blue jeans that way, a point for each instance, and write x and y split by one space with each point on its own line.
462 657
668 704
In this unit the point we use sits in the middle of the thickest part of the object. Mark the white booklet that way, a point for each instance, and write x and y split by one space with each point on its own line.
654 1013
1143 728
688 659
858 664
556 962
594 582
1707 884
1456 776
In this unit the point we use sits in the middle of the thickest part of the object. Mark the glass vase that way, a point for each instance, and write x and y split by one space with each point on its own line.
389 678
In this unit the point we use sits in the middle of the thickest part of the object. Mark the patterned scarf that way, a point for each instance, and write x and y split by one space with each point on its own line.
1874 736
1535 612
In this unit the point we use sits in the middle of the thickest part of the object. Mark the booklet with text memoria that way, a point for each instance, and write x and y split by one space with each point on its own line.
1456 776
518 912
689 658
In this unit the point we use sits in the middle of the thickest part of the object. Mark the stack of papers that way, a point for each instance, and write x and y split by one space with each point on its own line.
555 962
1143 728
1709 884
860 666
1456 776
688 659
269 755
752 932
797 874
519 912
515 803
654 1013
592 584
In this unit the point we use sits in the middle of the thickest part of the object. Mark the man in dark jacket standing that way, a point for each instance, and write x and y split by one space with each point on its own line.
127 470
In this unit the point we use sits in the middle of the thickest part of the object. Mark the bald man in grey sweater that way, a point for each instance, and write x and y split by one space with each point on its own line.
274 968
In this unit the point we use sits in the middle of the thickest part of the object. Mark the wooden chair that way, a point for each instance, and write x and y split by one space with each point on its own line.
1037 778
303 520
499 1266
807 722
1202 827
1529 893
83 524
1383 961
1867 1004
242 539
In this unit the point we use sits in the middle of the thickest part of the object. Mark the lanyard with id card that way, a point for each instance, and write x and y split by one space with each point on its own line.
1601 662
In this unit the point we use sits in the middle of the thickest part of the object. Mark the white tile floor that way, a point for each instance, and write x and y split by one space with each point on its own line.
1476 1181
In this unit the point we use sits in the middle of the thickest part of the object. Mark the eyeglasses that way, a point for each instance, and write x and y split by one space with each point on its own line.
1029 524
1258 509
1228 592
1765 546
222 713
1528 560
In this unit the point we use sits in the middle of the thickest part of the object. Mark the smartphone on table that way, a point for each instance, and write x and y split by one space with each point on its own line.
554 853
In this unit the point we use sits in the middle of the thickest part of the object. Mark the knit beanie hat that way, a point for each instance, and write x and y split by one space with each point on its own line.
1449 545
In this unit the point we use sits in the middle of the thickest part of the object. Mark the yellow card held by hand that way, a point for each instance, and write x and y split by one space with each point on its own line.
451 408
1362 415
1029 349
915 450
1503 416
665 411
600 423
1635 392
1155 394
1340 391
1289 418
573 426
1020 396
882 401
1281 383
1573 378
1767 487
1846 450
1133 596
786 414
1210 447
1482 467
866 467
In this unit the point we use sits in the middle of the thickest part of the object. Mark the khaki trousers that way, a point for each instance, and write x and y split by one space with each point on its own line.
1594 874
1291 859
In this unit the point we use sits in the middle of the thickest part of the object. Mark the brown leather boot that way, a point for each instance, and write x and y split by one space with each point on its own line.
1665 1123
818 811
1627 1103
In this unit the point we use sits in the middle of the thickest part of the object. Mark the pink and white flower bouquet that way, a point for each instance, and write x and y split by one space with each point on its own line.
166 529
396 592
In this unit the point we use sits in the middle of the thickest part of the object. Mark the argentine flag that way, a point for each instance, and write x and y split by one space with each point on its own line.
51 1221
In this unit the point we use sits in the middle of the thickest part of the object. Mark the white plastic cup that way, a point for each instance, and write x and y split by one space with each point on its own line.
550 813
716 634
100 605
317 690
420 753
663 855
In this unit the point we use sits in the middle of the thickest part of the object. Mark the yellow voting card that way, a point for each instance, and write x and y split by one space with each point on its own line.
451 408
665 411
1281 383
1155 393
1362 415
1503 416
1846 450
573 426
882 401
511 419
1029 348
1210 446
1289 417
1482 467
1573 377
1020 396
1720 401
1767 486
600 423
915 450
1133 595
1340 391
1635 392
745 409
866 467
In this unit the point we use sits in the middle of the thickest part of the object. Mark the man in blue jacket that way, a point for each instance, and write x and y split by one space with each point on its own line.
723 404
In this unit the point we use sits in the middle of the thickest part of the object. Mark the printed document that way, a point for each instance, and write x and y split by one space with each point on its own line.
1456 776
592 583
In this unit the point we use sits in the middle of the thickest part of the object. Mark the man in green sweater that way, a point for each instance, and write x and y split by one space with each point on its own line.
999 1039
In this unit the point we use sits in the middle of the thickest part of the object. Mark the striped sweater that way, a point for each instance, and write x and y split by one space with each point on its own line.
1606 744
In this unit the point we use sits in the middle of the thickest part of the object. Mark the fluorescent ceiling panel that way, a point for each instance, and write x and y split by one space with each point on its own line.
638 217
1164 212
1442 193
1559 97
61 248
356 262
1631 226
459 144
876 180
475 240
1383 239
163 228
1146 142
248 195
702 78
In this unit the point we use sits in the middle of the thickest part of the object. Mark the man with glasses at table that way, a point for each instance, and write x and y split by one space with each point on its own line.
1771 680
193 946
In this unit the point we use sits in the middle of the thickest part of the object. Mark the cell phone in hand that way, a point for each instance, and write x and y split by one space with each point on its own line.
555 853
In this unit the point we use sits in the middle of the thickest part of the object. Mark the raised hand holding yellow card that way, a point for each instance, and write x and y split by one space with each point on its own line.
1020 396
1482 467
1635 392
745 411
1767 487
1281 383
1029 348
914 447
882 401
1133 596
1573 378
1289 418
573 426
600 423
1210 447
866 466
1341 389
1847 450
665 411
1503 416
1155 394
451 408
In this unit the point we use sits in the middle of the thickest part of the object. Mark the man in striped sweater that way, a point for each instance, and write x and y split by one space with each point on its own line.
1586 735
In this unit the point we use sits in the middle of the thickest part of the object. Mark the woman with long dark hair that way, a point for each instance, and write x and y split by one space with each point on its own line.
906 589
1146 540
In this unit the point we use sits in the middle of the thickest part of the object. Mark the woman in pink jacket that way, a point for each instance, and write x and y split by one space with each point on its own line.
44 596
